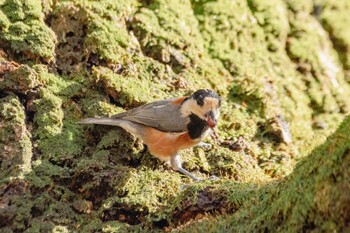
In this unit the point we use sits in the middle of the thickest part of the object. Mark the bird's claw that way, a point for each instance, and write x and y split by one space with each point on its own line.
183 187
213 178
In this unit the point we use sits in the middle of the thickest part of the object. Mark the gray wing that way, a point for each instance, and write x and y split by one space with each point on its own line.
163 115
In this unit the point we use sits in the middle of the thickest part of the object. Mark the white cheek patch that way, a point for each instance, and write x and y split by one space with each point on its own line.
191 106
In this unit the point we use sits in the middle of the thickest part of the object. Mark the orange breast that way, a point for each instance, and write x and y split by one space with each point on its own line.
164 145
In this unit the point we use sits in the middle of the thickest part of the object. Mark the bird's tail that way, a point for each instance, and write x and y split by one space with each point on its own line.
102 121
136 129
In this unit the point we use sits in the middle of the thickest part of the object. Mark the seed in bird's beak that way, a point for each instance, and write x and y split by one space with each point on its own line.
211 122
211 119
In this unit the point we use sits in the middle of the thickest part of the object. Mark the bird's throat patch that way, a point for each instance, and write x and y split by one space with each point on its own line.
196 127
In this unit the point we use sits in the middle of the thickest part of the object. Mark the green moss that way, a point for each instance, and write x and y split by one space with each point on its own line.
148 194
256 93
23 206
114 227
53 130
313 197
121 89
263 89
49 115
300 6
106 33
39 225
162 34
56 115
108 227
109 41
19 79
15 139
96 104
333 16
24 29
238 165
309 46
272 62
61 213
62 86
20 10
272 17
176 41
44 171
4 21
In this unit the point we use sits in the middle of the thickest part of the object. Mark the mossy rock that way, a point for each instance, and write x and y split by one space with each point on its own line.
280 149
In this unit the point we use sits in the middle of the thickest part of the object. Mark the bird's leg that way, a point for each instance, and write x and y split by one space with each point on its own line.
205 146
189 174
175 163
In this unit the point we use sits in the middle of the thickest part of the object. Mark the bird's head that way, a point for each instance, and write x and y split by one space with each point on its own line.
204 104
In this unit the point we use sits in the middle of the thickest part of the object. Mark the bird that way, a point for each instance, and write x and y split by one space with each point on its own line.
170 125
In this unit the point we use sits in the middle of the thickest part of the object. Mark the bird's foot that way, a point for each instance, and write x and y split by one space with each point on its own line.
211 178
205 146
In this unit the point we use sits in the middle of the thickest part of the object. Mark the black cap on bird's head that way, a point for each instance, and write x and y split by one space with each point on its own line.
201 94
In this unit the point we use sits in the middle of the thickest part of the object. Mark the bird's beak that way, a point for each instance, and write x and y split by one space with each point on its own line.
211 121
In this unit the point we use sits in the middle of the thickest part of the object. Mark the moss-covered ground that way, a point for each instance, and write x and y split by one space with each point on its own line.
281 149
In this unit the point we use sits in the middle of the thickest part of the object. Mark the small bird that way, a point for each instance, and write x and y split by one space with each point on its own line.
168 126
